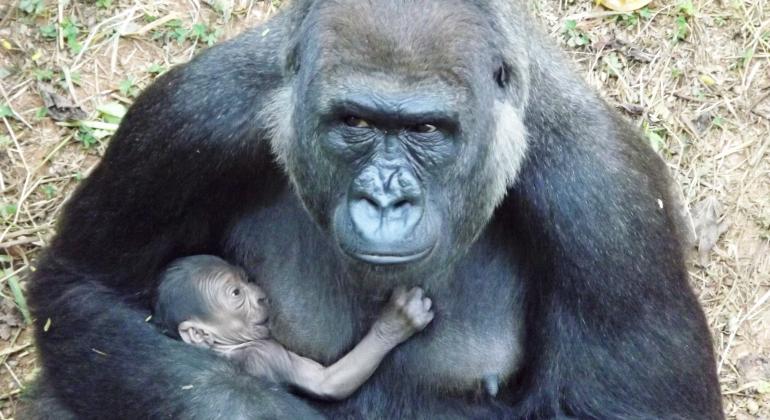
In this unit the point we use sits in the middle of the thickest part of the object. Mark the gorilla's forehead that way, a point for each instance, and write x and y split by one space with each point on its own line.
427 92
449 38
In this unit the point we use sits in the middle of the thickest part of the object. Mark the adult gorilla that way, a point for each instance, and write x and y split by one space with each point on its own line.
346 147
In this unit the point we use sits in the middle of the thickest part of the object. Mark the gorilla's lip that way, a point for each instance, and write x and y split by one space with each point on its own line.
391 258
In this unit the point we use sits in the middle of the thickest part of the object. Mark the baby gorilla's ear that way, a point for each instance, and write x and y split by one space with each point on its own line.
196 333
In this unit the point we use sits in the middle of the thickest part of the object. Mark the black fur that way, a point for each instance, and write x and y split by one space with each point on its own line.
572 290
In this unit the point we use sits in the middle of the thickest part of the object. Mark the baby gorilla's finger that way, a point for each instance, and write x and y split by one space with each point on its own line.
415 293
424 319
415 304
426 303
399 296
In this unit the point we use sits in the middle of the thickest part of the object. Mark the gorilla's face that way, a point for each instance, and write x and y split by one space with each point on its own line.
395 148
391 147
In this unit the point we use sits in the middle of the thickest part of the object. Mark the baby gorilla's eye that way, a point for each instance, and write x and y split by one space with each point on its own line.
236 292
424 128
353 121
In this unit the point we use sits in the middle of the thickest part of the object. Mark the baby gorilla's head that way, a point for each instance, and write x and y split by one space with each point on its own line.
205 301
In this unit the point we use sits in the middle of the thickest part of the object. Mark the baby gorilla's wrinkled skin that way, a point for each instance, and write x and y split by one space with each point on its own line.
237 312
235 325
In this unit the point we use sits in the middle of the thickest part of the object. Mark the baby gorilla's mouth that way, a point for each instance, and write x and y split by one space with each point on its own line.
261 330
262 319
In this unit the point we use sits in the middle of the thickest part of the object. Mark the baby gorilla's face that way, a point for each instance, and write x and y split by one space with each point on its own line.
239 309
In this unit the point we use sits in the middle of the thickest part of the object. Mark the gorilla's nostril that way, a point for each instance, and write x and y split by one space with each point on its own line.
401 204
371 202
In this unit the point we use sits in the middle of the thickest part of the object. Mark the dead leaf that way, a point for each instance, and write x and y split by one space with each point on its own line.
60 108
9 318
638 54
624 5
702 122
754 367
5 332
632 109
222 6
708 228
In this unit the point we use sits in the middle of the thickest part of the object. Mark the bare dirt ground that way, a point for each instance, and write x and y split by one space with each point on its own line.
692 74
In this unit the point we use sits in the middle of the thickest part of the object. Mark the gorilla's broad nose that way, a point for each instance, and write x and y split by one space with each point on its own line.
386 203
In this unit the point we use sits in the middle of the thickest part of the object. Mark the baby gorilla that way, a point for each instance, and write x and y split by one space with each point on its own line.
208 302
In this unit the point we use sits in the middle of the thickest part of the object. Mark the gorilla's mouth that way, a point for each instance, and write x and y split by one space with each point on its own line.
391 258
384 251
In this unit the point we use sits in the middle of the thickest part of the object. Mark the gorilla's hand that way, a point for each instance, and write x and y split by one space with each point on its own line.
407 312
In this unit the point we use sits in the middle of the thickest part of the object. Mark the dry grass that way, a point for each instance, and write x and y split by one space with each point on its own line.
704 101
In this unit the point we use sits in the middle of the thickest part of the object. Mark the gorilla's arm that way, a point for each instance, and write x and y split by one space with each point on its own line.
104 361
615 330
188 147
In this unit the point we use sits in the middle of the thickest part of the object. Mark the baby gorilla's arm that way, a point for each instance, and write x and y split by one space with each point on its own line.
406 314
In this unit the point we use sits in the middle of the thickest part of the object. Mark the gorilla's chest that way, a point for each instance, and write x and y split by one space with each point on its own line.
477 330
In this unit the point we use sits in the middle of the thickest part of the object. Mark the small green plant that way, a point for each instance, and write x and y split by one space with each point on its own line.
7 211
128 88
103 4
5 111
48 31
156 69
18 296
627 19
676 73
574 36
686 7
49 191
645 13
76 78
41 112
70 31
176 31
685 10
745 58
32 7
718 122
201 32
86 137
682 29
612 64
655 136
656 140
111 112
43 75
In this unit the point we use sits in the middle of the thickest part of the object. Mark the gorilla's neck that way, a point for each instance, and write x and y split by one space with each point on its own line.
381 280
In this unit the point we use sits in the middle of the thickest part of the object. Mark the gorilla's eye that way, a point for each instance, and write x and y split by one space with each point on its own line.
424 128
356 122
236 292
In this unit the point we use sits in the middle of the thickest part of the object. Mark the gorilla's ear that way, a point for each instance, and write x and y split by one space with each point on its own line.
195 333
510 81
503 74
291 63
291 49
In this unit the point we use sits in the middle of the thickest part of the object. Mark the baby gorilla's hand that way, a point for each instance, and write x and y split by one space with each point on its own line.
407 313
